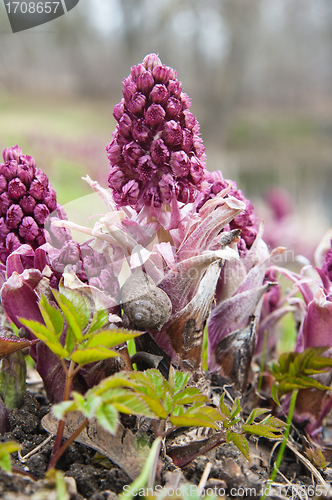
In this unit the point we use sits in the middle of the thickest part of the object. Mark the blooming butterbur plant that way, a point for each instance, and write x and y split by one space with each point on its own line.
178 248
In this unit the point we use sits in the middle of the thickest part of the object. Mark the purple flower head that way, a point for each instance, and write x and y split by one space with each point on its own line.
156 138
26 201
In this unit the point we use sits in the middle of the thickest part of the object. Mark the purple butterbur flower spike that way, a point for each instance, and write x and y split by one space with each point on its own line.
26 201
156 137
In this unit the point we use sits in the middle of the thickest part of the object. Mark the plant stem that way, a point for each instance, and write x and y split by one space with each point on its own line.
185 461
260 380
61 427
65 445
284 441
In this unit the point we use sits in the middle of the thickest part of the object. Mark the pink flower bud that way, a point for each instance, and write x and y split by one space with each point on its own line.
38 190
180 163
159 94
12 242
116 178
50 199
152 197
130 192
136 71
9 169
70 253
140 132
146 168
172 133
187 140
145 82
114 152
186 101
174 88
25 173
12 153
118 110
187 192
131 153
173 107
129 90
161 73
41 177
190 120
14 216
125 125
196 170
28 229
150 61
16 189
29 161
154 115
167 188
41 212
159 152
5 203
136 103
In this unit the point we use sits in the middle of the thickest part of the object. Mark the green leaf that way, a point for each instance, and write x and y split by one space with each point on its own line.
52 316
110 337
77 303
261 430
257 412
240 442
275 394
83 357
116 380
99 319
131 404
155 406
180 380
5 450
61 409
70 340
57 348
158 382
189 395
168 402
107 416
73 317
236 409
211 413
196 420
87 404
223 407
41 331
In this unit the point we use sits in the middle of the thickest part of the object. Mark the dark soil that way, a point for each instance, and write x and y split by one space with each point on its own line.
97 478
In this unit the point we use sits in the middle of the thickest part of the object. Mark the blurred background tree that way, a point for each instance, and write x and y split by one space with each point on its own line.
259 73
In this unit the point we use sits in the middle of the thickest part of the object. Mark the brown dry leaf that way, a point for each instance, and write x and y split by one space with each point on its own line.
119 448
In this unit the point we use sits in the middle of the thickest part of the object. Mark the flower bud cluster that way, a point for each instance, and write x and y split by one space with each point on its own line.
26 201
246 220
327 265
156 154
